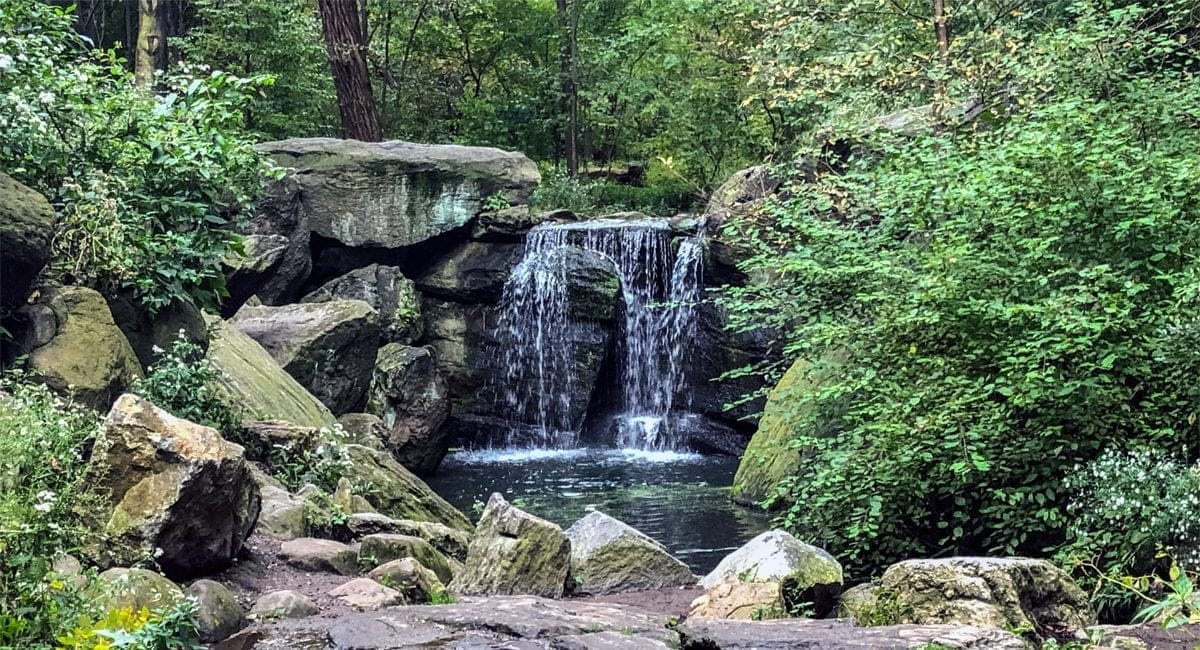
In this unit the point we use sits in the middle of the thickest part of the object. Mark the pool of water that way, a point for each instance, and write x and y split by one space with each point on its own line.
679 499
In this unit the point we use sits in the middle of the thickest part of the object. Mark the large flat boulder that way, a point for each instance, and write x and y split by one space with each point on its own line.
175 490
807 573
610 556
387 290
26 227
74 345
393 194
802 634
251 383
1009 593
397 492
514 552
328 347
409 395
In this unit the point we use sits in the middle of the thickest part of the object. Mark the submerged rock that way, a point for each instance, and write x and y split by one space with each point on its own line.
409 395
176 490
514 552
609 556
328 347
387 290
808 574
1010 593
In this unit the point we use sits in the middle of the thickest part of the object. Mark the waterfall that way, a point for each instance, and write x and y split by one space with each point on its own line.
660 285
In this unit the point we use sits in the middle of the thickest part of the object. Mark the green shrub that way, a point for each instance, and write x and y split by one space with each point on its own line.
180 382
664 198
322 461
168 628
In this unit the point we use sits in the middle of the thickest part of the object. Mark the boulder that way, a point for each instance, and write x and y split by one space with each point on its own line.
249 269
1008 593
283 604
329 347
387 290
740 600
364 429
174 489
365 593
394 194
770 458
397 493
450 542
147 333
74 345
122 588
277 253
461 336
511 224
218 613
609 556
514 552
808 574
809 634
593 286
26 227
410 397
385 547
252 383
282 516
325 555
415 583
474 272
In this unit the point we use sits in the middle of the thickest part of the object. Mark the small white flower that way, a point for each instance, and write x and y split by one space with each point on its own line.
6 61
46 97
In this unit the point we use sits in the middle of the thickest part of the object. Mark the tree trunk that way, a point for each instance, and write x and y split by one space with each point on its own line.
348 63
568 16
942 33
151 42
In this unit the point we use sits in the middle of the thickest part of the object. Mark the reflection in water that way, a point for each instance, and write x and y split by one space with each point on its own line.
679 499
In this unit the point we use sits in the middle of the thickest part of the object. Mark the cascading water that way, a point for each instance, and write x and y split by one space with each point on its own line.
660 287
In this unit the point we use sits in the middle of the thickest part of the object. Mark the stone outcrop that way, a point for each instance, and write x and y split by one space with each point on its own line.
514 552
808 574
74 345
218 613
399 494
176 490
393 194
280 260
473 272
26 226
249 270
609 556
769 458
411 398
162 330
415 583
1008 593
328 346
385 289
806 634
451 542
250 382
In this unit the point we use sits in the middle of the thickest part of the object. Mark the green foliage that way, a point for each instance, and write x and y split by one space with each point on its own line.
884 607
1005 301
1180 604
169 628
322 461
180 381
148 186
42 492
557 191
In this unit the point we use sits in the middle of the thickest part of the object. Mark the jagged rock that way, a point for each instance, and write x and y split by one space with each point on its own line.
74 345
218 613
250 382
385 547
514 552
174 489
474 272
393 194
328 347
450 542
609 556
311 554
740 600
365 593
134 589
460 336
990 592
807 573
283 604
26 227
805 634
246 271
387 290
364 429
410 397
415 583
275 276
397 493
511 224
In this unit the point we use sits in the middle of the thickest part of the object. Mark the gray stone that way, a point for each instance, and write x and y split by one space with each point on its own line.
328 347
408 394
740 600
248 270
218 613
365 593
325 555
801 634
514 552
385 547
134 589
283 515
364 429
145 333
474 272
175 490
511 224
387 290
609 556
276 274
807 572
283 604
26 227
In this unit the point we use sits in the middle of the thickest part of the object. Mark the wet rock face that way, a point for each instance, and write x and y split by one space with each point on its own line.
609 556
177 490
411 399
514 552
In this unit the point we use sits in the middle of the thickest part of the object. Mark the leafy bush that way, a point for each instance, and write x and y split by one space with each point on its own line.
168 628
148 186
1005 302
43 449
322 461
594 197
180 381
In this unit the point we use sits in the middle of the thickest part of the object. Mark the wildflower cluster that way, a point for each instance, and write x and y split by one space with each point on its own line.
320 461
181 381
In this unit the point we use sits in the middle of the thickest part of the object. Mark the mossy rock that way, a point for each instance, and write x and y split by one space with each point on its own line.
26 226
134 589
514 552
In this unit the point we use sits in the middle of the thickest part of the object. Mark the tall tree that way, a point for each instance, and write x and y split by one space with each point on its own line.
568 16
151 42
346 45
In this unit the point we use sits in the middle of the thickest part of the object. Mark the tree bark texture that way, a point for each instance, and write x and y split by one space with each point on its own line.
151 43
568 16
348 63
